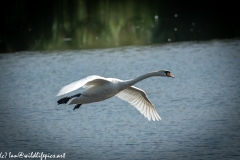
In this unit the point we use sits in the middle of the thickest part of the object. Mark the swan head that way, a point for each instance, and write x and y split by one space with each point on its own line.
165 73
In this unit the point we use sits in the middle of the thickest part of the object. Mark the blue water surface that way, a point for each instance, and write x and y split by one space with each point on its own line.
200 108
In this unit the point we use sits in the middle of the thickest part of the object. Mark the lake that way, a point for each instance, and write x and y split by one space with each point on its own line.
199 108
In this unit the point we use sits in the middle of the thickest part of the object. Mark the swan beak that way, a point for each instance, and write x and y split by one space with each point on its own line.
170 75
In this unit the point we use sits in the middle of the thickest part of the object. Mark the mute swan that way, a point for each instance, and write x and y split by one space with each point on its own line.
100 88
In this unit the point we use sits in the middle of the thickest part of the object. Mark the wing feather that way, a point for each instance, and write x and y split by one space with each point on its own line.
141 108
153 118
148 113
138 98
85 82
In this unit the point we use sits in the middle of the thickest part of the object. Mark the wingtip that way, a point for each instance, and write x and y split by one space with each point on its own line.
155 119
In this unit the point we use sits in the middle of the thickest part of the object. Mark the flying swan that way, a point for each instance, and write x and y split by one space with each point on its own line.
100 88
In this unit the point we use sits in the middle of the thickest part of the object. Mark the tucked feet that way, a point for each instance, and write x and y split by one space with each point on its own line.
63 100
66 99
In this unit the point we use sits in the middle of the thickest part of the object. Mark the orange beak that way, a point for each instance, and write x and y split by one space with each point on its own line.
170 75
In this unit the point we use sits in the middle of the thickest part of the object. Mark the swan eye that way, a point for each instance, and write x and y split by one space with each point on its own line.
167 73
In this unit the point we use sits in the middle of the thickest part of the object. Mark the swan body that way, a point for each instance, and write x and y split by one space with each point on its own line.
99 88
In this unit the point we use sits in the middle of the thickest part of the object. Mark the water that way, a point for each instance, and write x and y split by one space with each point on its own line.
200 108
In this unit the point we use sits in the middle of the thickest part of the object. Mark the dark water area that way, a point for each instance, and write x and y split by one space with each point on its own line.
81 24
200 108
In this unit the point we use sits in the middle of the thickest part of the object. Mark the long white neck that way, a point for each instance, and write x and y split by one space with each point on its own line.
142 77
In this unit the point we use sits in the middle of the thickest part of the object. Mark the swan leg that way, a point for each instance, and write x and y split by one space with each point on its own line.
66 99
77 106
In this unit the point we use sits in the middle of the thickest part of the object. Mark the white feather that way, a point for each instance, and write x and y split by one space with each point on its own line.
85 83
138 98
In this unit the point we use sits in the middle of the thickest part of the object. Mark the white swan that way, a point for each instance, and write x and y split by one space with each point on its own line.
100 88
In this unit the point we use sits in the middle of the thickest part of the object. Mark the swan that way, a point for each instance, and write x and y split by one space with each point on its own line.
100 88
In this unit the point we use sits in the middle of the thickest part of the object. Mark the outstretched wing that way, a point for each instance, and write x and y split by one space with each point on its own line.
88 81
138 98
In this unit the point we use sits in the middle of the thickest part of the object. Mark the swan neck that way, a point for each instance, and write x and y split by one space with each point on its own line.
142 77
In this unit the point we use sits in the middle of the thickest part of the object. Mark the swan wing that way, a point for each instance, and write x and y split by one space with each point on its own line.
138 98
85 82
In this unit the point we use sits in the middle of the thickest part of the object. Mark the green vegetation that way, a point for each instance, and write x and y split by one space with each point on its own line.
78 24
108 25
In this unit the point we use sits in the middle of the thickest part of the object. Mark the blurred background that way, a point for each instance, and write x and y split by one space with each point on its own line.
46 45
79 24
